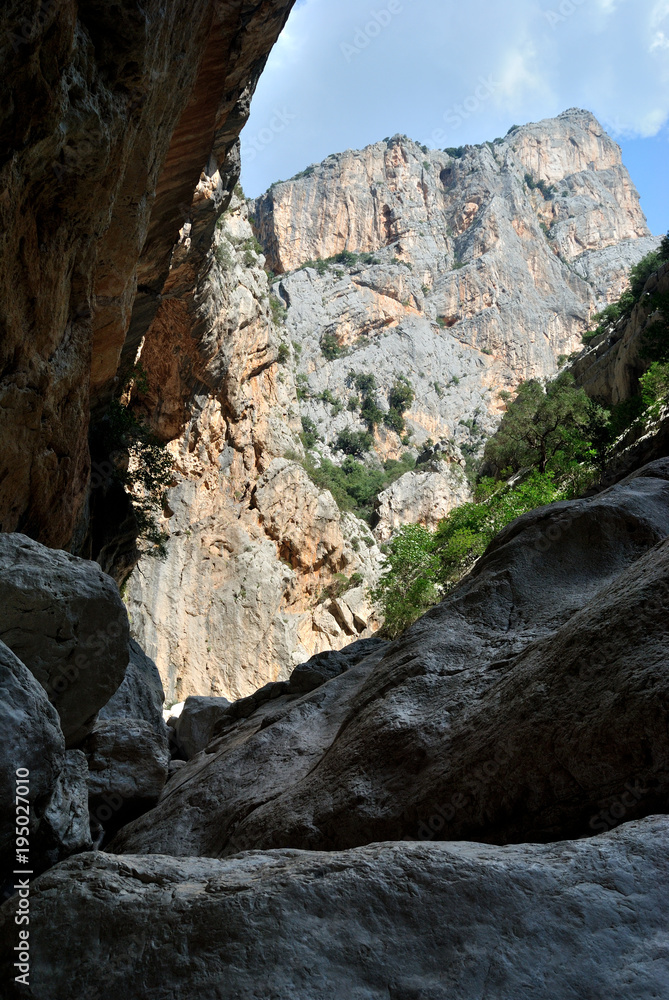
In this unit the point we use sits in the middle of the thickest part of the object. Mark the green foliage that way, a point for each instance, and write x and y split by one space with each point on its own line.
542 428
309 435
327 397
664 248
455 151
283 353
354 442
547 190
145 474
279 311
400 398
639 275
239 191
353 403
655 387
438 389
407 587
354 485
427 165
421 567
331 348
302 386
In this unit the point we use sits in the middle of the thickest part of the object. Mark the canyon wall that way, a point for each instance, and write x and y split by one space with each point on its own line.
464 272
244 592
110 113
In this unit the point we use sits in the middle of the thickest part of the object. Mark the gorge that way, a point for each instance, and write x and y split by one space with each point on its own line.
216 415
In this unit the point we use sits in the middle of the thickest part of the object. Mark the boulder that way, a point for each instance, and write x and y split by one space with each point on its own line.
532 704
405 921
33 747
127 765
65 620
140 695
195 724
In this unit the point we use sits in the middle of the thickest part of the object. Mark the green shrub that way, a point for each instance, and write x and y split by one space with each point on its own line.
309 434
543 428
408 586
664 248
330 347
283 353
279 311
455 151
354 442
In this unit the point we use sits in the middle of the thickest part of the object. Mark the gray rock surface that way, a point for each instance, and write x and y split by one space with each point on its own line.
194 726
479 269
64 618
490 719
449 921
140 695
33 740
126 759
425 497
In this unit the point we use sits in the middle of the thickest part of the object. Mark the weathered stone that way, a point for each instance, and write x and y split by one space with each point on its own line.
127 770
473 278
119 110
421 498
194 727
33 751
140 695
489 719
64 618
461 292
450 921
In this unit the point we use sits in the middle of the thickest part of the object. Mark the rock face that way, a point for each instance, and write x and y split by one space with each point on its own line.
242 596
579 918
489 719
140 695
610 368
422 497
478 269
66 621
120 110
194 726
460 290
33 748
127 770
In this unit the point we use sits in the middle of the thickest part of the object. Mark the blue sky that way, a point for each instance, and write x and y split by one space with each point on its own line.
346 73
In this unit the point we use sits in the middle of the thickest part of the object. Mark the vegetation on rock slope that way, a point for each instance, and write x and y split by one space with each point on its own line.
552 444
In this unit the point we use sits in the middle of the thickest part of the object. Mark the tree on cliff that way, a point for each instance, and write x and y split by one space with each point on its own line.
543 428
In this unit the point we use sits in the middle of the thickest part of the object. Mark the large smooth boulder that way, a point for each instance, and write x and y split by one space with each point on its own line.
65 620
532 704
33 746
447 921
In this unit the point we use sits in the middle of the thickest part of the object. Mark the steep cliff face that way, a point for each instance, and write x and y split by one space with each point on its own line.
109 115
259 561
449 281
476 268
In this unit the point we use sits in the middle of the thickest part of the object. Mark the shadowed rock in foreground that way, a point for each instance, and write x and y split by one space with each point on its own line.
446 921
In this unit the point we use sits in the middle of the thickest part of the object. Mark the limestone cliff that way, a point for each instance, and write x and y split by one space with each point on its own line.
109 115
465 272
259 566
